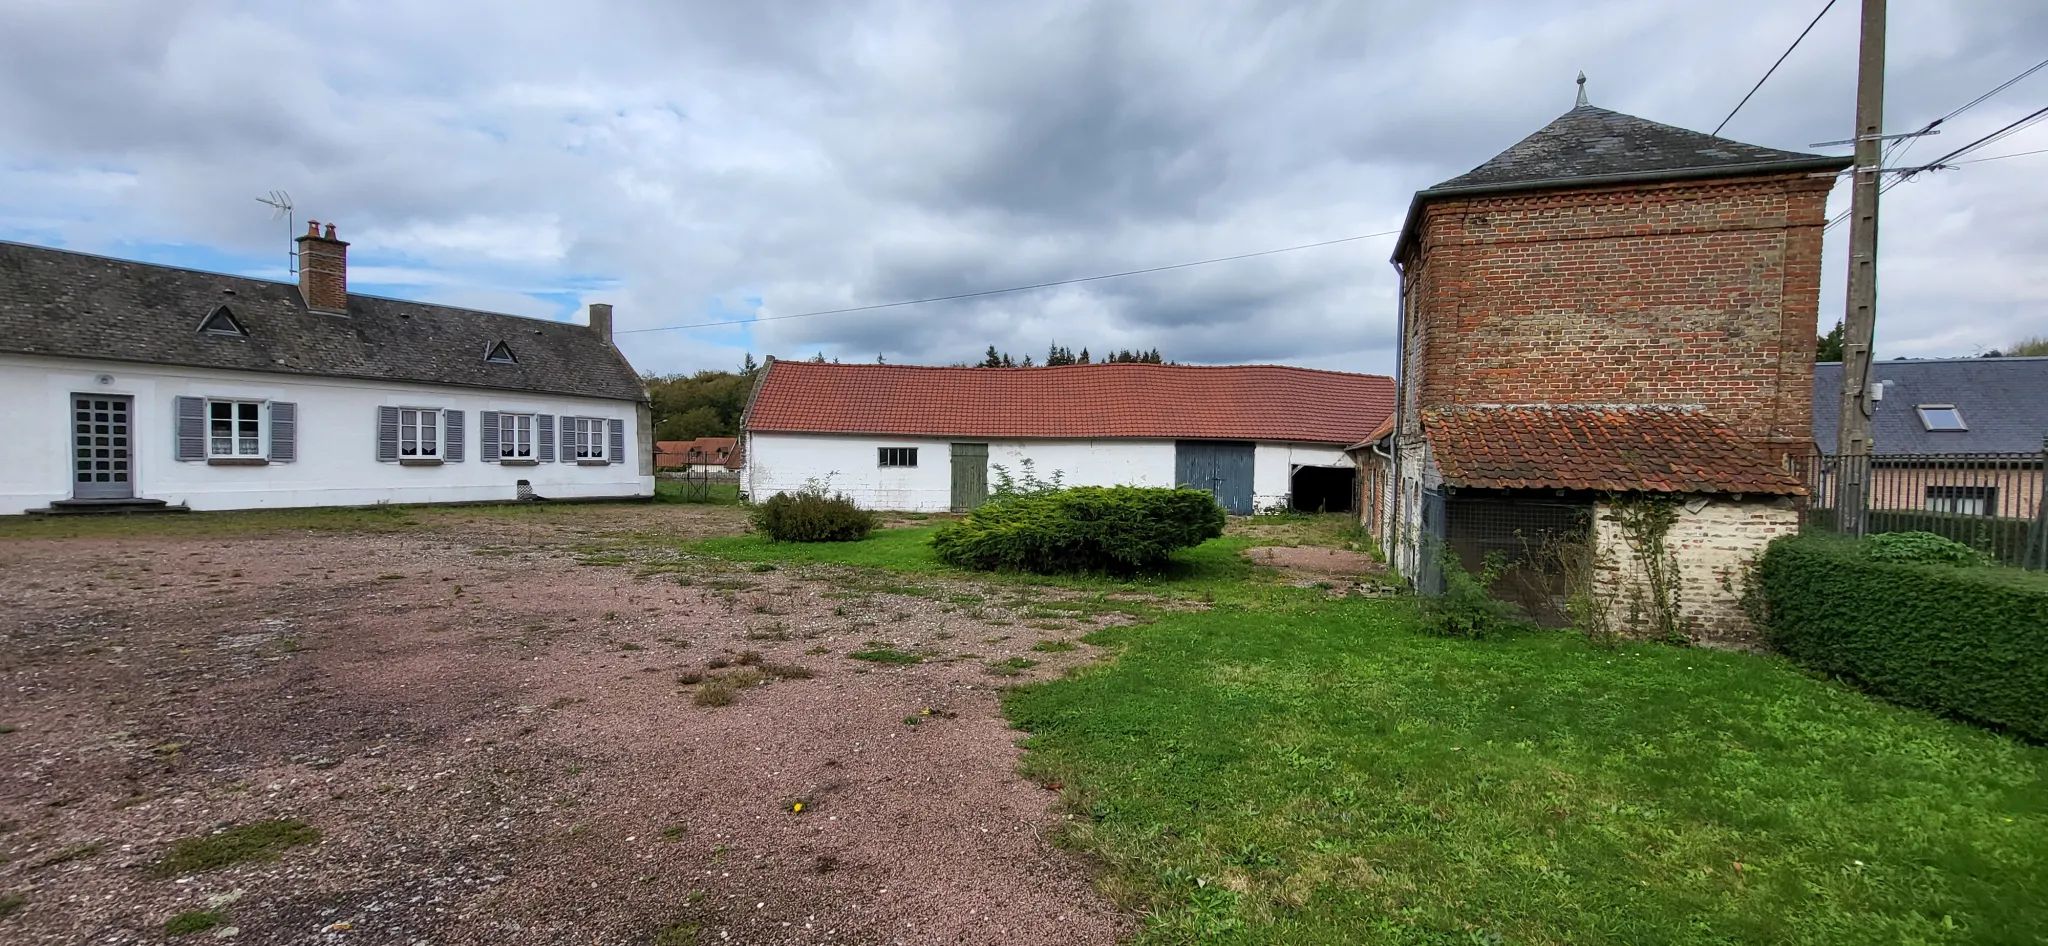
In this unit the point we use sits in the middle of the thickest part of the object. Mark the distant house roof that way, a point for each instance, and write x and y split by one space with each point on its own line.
1618 448
61 303
706 451
1242 402
2003 403
1591 146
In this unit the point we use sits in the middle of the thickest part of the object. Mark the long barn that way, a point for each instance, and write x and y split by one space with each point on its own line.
920 439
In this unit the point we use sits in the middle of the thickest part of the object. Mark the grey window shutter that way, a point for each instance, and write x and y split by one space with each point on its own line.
191 428
387 434
544 437
451 436
284 432
487 438
615 452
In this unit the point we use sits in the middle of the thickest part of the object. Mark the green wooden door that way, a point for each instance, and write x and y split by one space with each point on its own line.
970 475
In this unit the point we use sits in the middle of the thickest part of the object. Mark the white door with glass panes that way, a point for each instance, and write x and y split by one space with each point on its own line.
100 451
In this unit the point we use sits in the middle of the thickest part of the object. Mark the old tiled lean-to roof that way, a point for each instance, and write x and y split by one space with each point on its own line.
1242 402
60 303
1608 448
1590 146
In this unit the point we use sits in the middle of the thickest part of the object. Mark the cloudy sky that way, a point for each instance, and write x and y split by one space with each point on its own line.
709 161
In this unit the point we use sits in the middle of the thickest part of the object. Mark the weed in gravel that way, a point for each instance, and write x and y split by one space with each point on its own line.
1010 667
761 567
826 864
629 645
718 663
815 651
11 903
690 678
674 832
912 720
715 693
786 671
257 841
731 584
999 623
611 615
1046 626
1053 647
748 658
76 852
996 639
194 921
773 632
839 611
886 655
679 934
8 730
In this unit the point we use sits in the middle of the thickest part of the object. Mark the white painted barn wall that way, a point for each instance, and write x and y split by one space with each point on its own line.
779 463
337 440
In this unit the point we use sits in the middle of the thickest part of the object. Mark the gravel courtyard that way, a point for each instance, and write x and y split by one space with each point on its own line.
490 718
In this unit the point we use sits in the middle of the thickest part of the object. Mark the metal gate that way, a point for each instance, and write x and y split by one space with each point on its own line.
100 447
1223 467
970 476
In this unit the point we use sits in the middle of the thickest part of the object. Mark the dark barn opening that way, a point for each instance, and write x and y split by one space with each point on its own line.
1325 488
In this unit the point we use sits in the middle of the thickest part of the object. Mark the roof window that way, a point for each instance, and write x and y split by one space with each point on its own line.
221 321
1940 417
500 354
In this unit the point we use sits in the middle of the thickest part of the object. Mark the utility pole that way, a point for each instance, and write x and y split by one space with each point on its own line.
1853 446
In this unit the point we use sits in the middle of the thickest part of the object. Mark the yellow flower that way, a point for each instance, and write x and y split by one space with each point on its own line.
799 806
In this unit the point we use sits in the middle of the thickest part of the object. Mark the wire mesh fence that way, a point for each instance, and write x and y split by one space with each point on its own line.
1990 501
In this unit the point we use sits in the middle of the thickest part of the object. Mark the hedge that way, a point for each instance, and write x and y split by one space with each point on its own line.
2003 538
1966 641
1119 529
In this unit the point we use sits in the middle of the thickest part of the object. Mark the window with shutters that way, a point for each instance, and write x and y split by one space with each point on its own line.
234 429
587 433
899 456
515 436
419 433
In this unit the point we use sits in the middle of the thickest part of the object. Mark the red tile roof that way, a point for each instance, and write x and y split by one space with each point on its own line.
1656 449
1239 402
704 450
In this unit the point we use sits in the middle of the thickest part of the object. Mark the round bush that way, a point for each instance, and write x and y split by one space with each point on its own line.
1119 529
1924 548
812 517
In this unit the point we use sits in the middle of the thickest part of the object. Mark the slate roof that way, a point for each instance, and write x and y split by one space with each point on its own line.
62 303
1590 146
1609 448
1239 402
2004 402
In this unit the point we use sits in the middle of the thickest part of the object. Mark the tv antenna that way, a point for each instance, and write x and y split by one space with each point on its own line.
281 207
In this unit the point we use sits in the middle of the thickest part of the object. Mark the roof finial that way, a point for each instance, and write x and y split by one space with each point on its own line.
1582 88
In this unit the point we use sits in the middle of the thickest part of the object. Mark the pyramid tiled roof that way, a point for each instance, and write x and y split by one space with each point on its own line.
1609 448
1238 402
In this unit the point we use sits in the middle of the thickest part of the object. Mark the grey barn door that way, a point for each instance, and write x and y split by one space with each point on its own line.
100 447
970 476
1223 467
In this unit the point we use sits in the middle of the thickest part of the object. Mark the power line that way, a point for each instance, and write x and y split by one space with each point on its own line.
2002 133
2001 157
1774 67
1906 144
1009 289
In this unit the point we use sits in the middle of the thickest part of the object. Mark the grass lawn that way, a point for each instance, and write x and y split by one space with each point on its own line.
1290 768
1323 772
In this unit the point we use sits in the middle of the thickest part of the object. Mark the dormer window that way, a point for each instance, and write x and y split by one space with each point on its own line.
500 354
1941 417
221 321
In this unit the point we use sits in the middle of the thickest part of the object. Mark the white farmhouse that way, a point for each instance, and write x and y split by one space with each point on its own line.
130 386
925 439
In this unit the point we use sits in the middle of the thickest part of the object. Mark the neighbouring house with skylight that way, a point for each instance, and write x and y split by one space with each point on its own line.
131 386
1953 436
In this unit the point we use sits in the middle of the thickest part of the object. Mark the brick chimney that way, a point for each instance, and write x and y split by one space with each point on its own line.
601 319
323 269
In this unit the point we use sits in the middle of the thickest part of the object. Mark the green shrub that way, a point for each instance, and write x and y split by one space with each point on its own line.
1465 608
1967 641
1924 548
1119 529
2005 539
809 515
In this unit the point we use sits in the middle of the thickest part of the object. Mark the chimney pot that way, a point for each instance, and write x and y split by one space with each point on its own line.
330 231
312 228
601 319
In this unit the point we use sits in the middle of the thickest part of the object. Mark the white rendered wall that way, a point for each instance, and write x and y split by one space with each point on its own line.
337 440
1273 466
1713 547
781 463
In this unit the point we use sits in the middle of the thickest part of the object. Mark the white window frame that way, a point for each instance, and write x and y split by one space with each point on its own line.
235 437
515 436
902 453
1963 500
416 425
588 435
1922 409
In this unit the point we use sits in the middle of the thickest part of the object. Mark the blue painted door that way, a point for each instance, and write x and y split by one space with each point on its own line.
1223 467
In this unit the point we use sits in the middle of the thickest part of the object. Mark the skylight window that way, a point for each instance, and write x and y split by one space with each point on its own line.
1938 417
500 354
221 321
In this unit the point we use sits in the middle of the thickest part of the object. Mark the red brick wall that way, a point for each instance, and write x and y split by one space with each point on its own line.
1701 292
